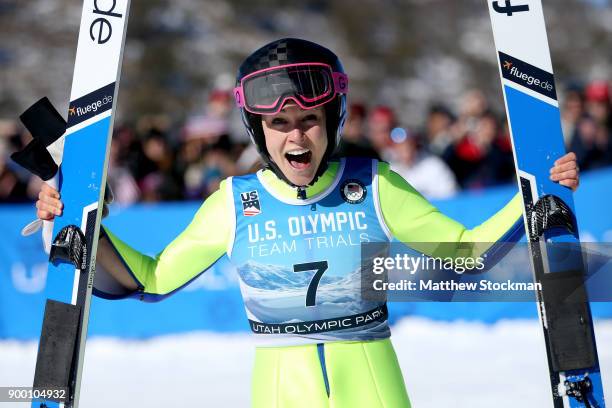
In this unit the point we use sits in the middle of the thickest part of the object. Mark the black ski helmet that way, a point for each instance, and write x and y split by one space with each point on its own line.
286 52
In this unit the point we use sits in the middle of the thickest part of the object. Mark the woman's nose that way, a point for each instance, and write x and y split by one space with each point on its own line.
296 135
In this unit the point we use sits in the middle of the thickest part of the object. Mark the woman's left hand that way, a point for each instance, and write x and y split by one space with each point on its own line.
566 172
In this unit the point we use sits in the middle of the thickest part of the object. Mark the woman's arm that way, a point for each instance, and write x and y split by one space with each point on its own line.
122 271
191 253
413 220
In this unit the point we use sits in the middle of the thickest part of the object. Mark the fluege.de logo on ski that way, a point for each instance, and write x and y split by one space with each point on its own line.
527 75
92 107
92 104
530 80
250 203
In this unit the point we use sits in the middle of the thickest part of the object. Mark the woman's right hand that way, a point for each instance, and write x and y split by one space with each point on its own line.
48 204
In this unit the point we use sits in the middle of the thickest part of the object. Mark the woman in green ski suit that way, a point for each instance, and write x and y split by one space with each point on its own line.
315 347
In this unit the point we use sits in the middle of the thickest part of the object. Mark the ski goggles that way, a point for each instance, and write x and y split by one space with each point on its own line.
309 85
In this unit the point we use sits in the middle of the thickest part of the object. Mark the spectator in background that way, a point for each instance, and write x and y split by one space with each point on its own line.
206 150
207 153
213 126
381 121
473 106
483 155
354 142
218 165
14 180
249 160
160 182
120 178
149 163
591 144
598 103
12 189
438 133
591 139
571 111
220 104
427 173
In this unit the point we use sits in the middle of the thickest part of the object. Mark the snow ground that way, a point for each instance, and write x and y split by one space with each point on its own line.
456 364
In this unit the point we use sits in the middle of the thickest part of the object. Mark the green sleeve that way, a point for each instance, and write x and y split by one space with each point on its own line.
412 219
192 252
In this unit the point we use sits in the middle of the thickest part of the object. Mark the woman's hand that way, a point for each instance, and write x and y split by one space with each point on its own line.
48 204
566 172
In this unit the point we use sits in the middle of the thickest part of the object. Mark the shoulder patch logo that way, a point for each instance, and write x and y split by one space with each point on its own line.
250 203
353 191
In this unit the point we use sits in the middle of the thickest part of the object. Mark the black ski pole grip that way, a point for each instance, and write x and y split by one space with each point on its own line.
46 125
44 122
36 159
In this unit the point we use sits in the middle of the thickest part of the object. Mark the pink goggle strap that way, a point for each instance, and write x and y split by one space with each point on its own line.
239 96
340 82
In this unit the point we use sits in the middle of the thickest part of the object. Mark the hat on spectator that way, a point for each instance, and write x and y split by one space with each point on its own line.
597 91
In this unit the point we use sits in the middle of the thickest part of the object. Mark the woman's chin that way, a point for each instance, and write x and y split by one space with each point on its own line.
299 177
301 180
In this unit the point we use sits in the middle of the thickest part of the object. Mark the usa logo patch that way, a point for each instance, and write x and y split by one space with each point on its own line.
353 191
250 203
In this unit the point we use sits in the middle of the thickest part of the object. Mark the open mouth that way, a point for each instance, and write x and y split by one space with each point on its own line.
299 159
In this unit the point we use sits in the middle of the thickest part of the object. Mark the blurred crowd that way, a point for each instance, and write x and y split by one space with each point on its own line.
469 147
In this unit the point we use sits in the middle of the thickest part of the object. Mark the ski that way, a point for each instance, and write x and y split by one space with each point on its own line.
81 176
537 140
